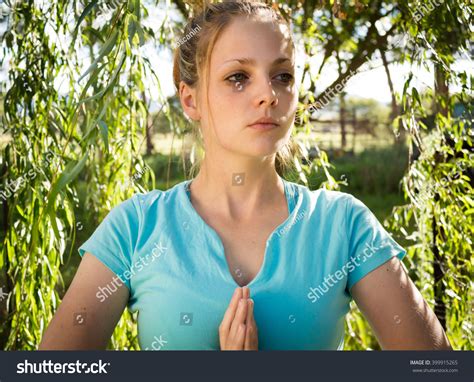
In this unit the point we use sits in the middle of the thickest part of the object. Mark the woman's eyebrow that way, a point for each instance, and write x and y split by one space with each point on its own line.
251 61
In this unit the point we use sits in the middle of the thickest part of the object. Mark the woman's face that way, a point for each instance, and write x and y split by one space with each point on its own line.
251 76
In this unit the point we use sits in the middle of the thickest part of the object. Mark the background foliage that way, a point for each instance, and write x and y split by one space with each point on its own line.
78 137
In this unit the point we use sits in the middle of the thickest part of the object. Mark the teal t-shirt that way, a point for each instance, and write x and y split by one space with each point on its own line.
174 265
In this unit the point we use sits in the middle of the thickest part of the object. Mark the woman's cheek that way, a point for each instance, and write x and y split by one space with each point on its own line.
288 102
226 93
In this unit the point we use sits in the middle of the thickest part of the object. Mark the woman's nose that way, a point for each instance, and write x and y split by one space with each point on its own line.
266 94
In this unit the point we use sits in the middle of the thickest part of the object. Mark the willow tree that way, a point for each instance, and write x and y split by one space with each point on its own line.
440 179
67 122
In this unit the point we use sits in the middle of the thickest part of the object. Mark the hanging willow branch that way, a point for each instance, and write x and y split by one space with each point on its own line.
90 133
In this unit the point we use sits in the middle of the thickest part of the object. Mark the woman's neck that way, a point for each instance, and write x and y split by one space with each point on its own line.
238 191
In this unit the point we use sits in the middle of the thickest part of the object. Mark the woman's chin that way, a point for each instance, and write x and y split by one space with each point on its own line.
262 152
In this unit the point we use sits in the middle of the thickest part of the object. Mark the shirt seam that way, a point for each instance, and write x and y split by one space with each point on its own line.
347 225
103 249
139 212
348 241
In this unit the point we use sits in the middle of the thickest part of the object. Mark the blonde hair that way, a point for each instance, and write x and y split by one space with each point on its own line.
192 55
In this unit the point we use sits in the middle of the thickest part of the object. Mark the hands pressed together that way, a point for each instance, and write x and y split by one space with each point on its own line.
238 329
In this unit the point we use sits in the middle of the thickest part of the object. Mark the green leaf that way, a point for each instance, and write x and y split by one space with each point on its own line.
104 134
104 51
86 11
71 171
141 35
114 76
92 80
132 28
52 218
137 9
416 95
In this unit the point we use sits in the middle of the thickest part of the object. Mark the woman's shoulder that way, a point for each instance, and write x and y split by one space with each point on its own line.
323 197
115 239
156 196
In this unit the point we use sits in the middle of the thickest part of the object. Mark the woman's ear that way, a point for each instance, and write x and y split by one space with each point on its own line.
188 98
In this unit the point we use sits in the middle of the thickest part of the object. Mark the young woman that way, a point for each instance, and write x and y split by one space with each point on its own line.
189 258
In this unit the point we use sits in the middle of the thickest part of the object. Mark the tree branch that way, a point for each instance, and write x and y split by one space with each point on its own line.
359 59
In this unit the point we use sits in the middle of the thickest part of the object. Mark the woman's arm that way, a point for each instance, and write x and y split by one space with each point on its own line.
395 309
82 321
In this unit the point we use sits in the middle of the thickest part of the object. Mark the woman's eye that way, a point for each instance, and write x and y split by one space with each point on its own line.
287 77
237 77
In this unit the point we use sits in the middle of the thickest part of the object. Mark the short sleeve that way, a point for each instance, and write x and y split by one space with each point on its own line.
370 245
113 242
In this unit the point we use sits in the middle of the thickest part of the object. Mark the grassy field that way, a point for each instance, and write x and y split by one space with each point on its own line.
166 143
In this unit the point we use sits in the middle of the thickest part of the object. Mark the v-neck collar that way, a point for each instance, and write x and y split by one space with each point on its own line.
292 202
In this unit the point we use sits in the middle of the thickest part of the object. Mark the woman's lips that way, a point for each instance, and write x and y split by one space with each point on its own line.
263 126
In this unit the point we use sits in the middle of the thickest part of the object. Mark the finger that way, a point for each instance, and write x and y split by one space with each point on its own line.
253 322
238 341
239 318
254 332
246 292
250 327
228 317
230 311
248 318
251 339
